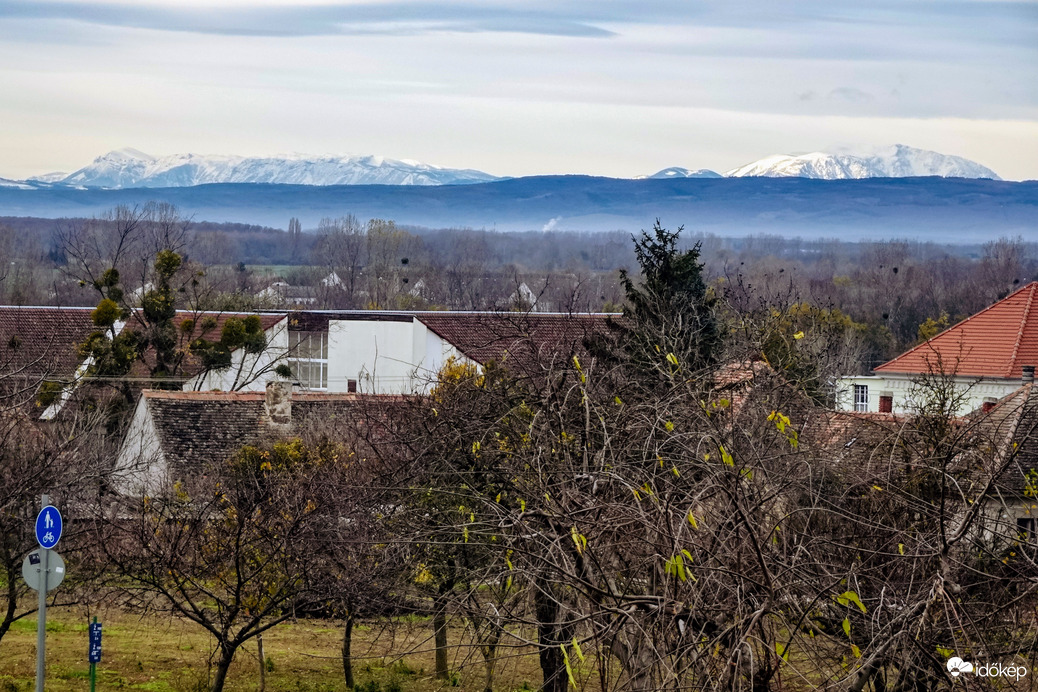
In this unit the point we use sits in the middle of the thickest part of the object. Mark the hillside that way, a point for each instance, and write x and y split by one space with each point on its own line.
944 209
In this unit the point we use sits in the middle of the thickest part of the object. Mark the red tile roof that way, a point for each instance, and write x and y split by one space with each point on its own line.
996 342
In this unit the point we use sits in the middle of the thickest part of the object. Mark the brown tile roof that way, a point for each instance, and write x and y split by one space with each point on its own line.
514 336
199 427
267 320
40 342
317 320
996 342
214 321
1011 427
1000 444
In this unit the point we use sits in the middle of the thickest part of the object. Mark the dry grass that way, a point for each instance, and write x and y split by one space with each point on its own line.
162 654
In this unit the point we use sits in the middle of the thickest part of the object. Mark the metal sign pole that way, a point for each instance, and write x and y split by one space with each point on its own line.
41 614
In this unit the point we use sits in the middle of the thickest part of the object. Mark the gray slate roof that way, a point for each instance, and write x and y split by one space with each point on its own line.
195 428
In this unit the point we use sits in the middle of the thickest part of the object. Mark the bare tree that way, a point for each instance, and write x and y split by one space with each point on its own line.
65 460
341 247
231 548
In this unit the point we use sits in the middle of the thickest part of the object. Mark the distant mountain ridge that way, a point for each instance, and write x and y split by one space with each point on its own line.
129 168
897 161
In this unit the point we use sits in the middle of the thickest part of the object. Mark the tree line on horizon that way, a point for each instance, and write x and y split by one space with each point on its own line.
895 292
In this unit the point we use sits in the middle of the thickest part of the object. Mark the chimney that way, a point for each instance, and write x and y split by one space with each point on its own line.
1028 377
278 405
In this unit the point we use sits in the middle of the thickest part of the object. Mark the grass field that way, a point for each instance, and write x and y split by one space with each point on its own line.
161 654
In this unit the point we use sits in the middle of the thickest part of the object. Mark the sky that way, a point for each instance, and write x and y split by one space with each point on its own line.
519 87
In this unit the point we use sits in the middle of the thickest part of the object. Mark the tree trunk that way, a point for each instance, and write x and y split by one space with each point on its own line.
12 602
222 666
440 630
347 657
553 667
490 660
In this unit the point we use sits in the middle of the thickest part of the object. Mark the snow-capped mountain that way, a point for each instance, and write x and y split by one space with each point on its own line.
16 184
126 168
897 161
48 178
678 172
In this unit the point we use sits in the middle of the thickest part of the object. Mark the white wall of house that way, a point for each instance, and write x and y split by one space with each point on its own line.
378 355
385 357
381 356
1009 519
140 467
247 372
906 393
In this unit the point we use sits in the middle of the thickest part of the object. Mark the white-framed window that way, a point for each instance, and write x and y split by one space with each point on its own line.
308 358
861 397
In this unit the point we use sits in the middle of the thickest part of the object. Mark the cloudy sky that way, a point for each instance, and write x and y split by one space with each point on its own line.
517 87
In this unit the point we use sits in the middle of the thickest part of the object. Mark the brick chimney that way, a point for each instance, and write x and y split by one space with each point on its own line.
278 405
1028 377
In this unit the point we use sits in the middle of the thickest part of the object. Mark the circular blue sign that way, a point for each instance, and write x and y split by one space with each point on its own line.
48 527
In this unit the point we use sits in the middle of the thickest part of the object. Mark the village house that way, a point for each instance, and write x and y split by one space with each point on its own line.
361 351
385 352
985 357
172 434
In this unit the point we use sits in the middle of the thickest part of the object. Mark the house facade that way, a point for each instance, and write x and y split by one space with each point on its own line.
384 352
984 358
360 351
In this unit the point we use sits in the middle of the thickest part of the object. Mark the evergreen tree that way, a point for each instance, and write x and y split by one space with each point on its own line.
669 321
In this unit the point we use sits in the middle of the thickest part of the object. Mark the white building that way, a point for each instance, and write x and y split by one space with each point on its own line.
384 352
985 357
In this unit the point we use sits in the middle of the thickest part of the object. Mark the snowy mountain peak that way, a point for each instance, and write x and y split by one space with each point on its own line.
896 161
678 172
125 154
55 177
126 168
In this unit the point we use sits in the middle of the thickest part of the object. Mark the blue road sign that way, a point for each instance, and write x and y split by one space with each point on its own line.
48 527
94 652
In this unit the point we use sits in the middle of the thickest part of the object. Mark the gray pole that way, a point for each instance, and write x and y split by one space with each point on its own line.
41 614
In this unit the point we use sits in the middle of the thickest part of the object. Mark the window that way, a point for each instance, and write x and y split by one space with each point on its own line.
886 402
308 358
1025 527
861 397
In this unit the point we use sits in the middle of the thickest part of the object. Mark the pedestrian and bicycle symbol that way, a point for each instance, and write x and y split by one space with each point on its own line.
43 570
48 527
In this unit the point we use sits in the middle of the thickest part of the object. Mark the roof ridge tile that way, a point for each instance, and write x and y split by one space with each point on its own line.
1020 334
